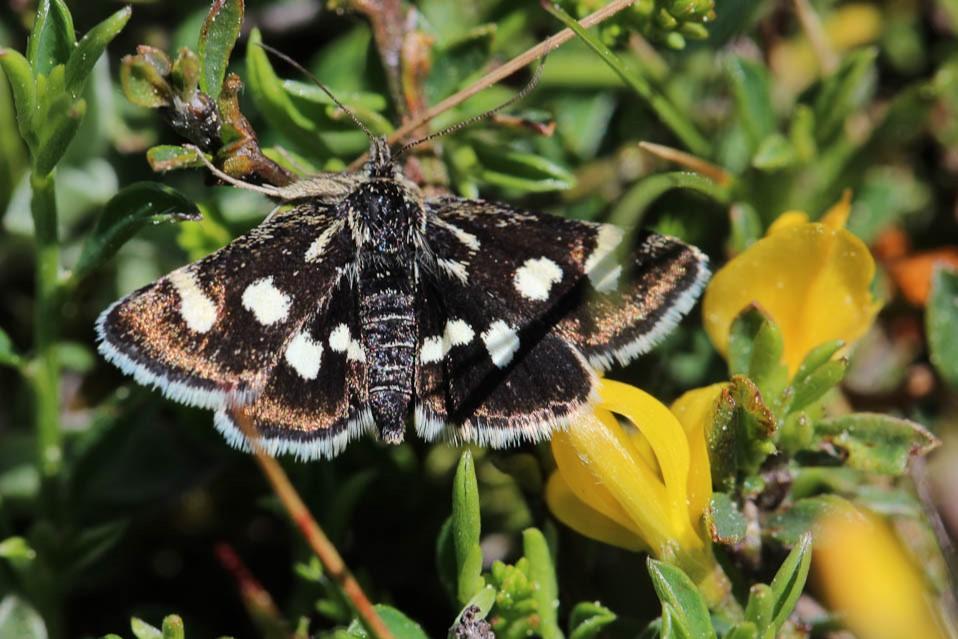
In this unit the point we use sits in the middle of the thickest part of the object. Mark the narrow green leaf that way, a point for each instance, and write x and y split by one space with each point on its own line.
632 206
126 213
18 72
19 619
874 442
790 580
746 227
753 98
742 337
143 630
819 382
401 626
455 62
941 324
774 153
755 349
483 600
173 627
466 529
8 357
815 358
53 38
725 523
675 589
523 171
760 606
588 619
55 141
217 38
90 47
543 573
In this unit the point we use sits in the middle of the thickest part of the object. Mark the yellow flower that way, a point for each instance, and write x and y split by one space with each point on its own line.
866 576
642 487
812 278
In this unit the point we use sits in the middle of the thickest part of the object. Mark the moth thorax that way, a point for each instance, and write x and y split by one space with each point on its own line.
387 216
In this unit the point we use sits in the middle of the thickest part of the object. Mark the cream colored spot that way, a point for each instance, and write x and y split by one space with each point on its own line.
536 277
458 333
502 342
318 247
600 266
339 339
196 309
266 302
304 355
432 350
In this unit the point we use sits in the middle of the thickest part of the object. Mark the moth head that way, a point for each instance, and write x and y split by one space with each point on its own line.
380 163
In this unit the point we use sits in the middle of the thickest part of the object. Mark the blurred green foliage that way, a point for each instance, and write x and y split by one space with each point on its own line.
111 498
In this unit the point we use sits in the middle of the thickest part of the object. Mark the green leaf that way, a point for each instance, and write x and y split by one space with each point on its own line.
446 562
746 227
131 209
466 529
275 104
588 619
53 38
755 349
789 527
543 573
523 171
143 630
725 523
169 157
55 139
742 630
760 607
401 626
143 78
217 38
17 549
632 206
484 600
740 437
875 443
18 72
753 99
790 580
774 153
454 63
815 358
843 92
677 591
8 357
941 323
89 49
815 385
173 627
19 619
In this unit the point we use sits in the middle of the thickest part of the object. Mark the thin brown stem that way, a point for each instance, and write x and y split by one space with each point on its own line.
501 72
689 161
324 549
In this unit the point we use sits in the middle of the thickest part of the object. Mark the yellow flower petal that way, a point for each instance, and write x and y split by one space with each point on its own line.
867 576
813 280
598 462
694 411
837 216
787 220
666 437
585 520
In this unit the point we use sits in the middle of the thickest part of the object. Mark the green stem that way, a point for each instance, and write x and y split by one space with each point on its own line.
46 370
670 116
631 207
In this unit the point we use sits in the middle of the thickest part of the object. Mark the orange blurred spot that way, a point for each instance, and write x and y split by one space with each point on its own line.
912 274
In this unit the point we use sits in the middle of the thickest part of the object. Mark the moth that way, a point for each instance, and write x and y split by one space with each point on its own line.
366 304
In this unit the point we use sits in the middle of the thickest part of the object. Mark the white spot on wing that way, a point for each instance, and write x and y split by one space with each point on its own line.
469 240
458 333
600 266
339 339
355 352
536 277
457 269
502 342
267 303
304 355
197 310
432 350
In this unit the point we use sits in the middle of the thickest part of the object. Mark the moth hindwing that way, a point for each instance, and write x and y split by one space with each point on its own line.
366 303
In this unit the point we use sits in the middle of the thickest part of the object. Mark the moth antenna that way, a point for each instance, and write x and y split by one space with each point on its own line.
526 90
296 65
266 190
